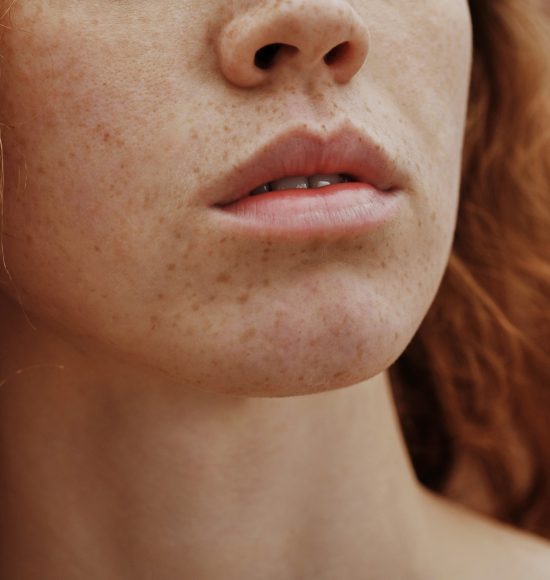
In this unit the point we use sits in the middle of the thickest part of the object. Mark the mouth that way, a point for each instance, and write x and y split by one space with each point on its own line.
305 160
317 181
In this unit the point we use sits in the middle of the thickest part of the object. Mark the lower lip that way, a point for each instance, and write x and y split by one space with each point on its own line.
344 208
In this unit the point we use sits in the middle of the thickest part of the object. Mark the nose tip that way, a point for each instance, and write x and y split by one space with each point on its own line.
307 37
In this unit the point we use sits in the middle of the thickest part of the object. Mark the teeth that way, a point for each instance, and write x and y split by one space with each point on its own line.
262 189
289 183
301 182
316 181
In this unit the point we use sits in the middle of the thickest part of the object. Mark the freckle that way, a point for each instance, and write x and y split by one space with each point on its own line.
97 249
384 264
171 267
223 277
161 220
243 298
223 240
212 297
106 136
177 316
178 236
249 334
160 296
195 306
154 321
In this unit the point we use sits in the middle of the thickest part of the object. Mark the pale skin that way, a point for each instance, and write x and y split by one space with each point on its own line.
194 404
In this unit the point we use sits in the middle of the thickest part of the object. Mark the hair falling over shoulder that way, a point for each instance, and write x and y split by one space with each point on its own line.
473 387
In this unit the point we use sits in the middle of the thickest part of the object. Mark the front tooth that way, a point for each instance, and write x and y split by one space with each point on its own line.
319 180
290 183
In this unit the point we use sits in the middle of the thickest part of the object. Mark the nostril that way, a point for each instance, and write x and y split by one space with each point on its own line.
337 53
266 55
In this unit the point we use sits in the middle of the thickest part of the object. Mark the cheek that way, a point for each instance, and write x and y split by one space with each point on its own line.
421 60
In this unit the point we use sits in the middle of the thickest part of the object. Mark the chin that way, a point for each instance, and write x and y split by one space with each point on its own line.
299 365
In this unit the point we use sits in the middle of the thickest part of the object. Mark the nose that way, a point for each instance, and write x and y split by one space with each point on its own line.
303 37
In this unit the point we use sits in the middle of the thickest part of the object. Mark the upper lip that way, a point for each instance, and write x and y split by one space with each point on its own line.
301 151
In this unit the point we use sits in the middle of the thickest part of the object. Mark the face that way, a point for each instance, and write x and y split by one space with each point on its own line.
123 119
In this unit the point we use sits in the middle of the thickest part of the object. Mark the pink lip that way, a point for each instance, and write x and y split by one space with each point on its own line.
372 199
305 152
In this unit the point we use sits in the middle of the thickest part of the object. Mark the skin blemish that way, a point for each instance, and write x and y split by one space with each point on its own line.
248 335
243 298
171 267
224 277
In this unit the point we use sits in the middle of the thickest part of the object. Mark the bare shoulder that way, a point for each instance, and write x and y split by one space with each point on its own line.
473 546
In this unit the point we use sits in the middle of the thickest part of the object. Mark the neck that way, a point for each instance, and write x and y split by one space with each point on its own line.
124 475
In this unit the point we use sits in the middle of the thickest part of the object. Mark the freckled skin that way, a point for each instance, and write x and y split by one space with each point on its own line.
118 125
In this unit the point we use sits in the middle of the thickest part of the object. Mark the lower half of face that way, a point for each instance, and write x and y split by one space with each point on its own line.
115 134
